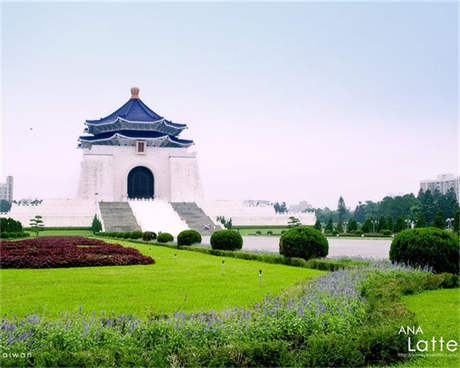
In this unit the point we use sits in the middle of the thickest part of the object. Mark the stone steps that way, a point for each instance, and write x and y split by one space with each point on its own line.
195 217
118 216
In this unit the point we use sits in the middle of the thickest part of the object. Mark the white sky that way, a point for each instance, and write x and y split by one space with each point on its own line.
300 101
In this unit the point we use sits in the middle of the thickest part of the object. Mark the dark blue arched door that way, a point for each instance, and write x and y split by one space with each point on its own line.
140 183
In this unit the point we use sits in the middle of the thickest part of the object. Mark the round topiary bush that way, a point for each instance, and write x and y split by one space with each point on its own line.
188 237
428 246
304 242
226 240
165 237
149 235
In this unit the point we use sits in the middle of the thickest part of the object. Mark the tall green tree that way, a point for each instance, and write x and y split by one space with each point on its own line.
330 226
400 225
359 214
339 227
421 221
341 210
318 225
439 220
368 226
382 225
457 221
96 225
390 223
352 226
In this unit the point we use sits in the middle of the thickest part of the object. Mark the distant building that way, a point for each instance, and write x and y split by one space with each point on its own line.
443 183
6 189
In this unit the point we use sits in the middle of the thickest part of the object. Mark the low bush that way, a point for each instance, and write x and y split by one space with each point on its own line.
303 242
226 240
13 235
165 237
386 232
427 247
149 235
188 237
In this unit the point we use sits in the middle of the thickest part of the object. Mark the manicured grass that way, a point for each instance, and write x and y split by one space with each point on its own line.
61 232
438 314
191 282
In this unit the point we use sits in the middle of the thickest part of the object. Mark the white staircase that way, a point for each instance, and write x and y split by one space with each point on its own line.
157 215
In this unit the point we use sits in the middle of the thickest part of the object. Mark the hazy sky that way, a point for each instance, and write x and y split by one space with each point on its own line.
285 101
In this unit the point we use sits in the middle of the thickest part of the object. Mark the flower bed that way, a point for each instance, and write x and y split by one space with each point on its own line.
67 251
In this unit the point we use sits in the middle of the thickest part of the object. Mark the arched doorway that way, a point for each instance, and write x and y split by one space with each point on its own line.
140 183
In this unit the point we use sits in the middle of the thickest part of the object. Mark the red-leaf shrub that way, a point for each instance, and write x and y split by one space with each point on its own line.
67 251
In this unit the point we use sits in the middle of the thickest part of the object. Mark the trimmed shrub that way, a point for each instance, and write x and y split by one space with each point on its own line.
188 237
226 240
386 232
304 242
165 237
136 234
429 246
149 235
4 235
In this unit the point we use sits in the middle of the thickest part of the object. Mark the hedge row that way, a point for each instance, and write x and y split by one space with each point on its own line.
122 235
62 228
7 235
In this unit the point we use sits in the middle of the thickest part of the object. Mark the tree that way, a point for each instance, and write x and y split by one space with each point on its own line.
352 226
280 208
36 224
457 221
368 226
382 225
341 211
96 226
421 222
359 213
339 227
439 220
293 221
390 223
318 225
400 225
330 226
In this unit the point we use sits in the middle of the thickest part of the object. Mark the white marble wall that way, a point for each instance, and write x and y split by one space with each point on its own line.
104 170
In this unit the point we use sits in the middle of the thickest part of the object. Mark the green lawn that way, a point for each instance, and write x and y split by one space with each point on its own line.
438 314
191 282
61 232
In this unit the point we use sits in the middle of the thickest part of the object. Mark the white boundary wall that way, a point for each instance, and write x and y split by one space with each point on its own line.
243 214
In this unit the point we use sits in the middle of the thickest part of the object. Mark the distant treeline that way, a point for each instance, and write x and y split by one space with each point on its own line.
426 206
